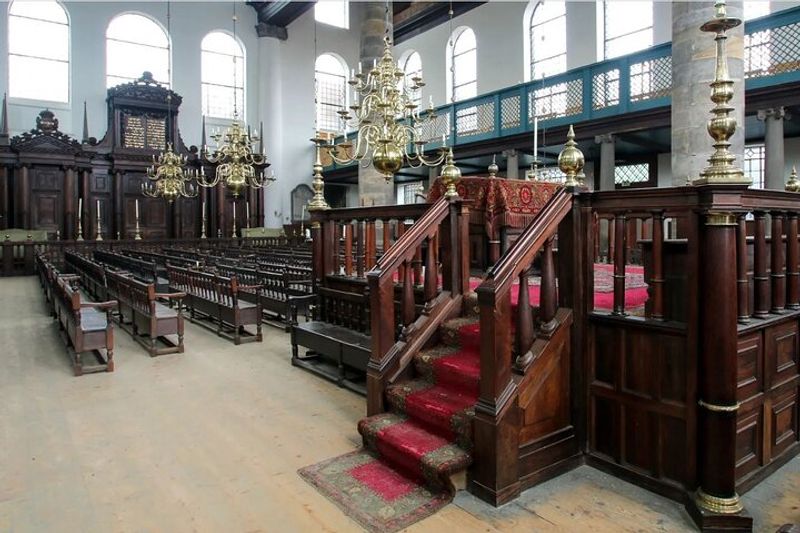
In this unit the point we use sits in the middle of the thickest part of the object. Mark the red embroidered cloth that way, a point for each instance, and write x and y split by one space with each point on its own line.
498 202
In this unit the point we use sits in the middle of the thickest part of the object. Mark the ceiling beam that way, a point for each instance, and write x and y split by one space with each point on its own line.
274 16
419 17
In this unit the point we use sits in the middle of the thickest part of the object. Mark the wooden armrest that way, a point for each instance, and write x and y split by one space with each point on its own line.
69 277
100 305
171 295
301 299
249 287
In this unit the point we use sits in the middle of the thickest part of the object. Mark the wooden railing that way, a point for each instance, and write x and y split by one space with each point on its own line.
433 254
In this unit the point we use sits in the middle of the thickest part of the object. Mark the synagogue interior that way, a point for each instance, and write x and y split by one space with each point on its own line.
528 265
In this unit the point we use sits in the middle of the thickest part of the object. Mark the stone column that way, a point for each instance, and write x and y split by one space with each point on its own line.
607 155
693 61
373 189
512 164
773 147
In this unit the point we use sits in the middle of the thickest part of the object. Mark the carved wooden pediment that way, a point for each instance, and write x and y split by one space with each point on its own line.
45 138
145 89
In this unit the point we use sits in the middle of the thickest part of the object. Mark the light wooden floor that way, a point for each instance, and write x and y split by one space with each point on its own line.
211 441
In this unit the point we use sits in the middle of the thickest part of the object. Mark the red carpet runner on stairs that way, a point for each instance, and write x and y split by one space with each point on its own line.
412 452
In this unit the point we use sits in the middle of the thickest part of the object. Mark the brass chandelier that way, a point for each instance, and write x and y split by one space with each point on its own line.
233 155
167 177
387 121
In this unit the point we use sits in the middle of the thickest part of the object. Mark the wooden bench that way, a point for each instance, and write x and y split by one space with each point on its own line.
86 327
275 288
142 269
217 299
337 339
92 274
152 321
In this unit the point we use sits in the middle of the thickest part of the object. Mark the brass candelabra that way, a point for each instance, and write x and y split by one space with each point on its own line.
236 161
168 178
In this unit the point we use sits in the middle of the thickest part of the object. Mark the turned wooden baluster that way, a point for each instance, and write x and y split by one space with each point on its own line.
408 295
387 234
431 271
619 265
348 249
596 232
547 293
417 262
337 231
523 338
360 248
401 229
657 281
760 278
371 245
742 283
611 238
792 259
777 268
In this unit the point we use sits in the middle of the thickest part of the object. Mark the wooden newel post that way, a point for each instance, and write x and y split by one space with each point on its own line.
316 250
716 503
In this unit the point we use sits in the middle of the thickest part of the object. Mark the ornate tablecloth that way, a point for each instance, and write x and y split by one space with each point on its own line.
499 202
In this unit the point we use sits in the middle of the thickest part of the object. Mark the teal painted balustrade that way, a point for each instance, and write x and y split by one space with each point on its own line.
626 84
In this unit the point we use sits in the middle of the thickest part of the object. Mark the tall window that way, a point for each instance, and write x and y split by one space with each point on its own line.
628 26
134 44
413 69
548 39
222 62
331 77
38 51
333 12
754 164
464 65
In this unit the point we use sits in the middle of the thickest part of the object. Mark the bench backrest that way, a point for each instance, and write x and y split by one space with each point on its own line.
136 294
218 289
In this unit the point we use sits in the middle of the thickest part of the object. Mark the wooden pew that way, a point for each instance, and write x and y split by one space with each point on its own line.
92 274
86 327
151 320
337 339
217 298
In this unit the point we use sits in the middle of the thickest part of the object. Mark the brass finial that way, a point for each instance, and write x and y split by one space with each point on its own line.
493 168
571 160
450 174
793 185
722 126
318 203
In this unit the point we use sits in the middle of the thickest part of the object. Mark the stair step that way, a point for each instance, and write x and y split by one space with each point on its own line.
463 331
444 411
412 449
455 368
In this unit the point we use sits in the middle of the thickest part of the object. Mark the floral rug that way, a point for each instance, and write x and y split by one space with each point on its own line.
375 495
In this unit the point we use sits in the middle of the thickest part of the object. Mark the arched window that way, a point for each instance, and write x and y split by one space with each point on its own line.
333 12
463 65
38 51
412 67
628 26
330 73
134 44
222 64
548 39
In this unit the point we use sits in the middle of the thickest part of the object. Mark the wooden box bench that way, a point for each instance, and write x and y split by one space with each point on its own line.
217 299
337 339
86 327
152 321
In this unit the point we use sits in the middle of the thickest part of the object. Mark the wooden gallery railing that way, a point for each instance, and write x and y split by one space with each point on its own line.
410 263
524 420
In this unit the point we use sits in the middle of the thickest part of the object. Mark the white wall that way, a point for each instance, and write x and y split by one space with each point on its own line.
190 22
287 88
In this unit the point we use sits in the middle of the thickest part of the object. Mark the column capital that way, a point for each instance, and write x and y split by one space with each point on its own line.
511 152
604 138
774 113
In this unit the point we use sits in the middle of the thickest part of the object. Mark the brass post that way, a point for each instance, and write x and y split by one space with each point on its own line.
318 202
571 160
722 126
450 174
